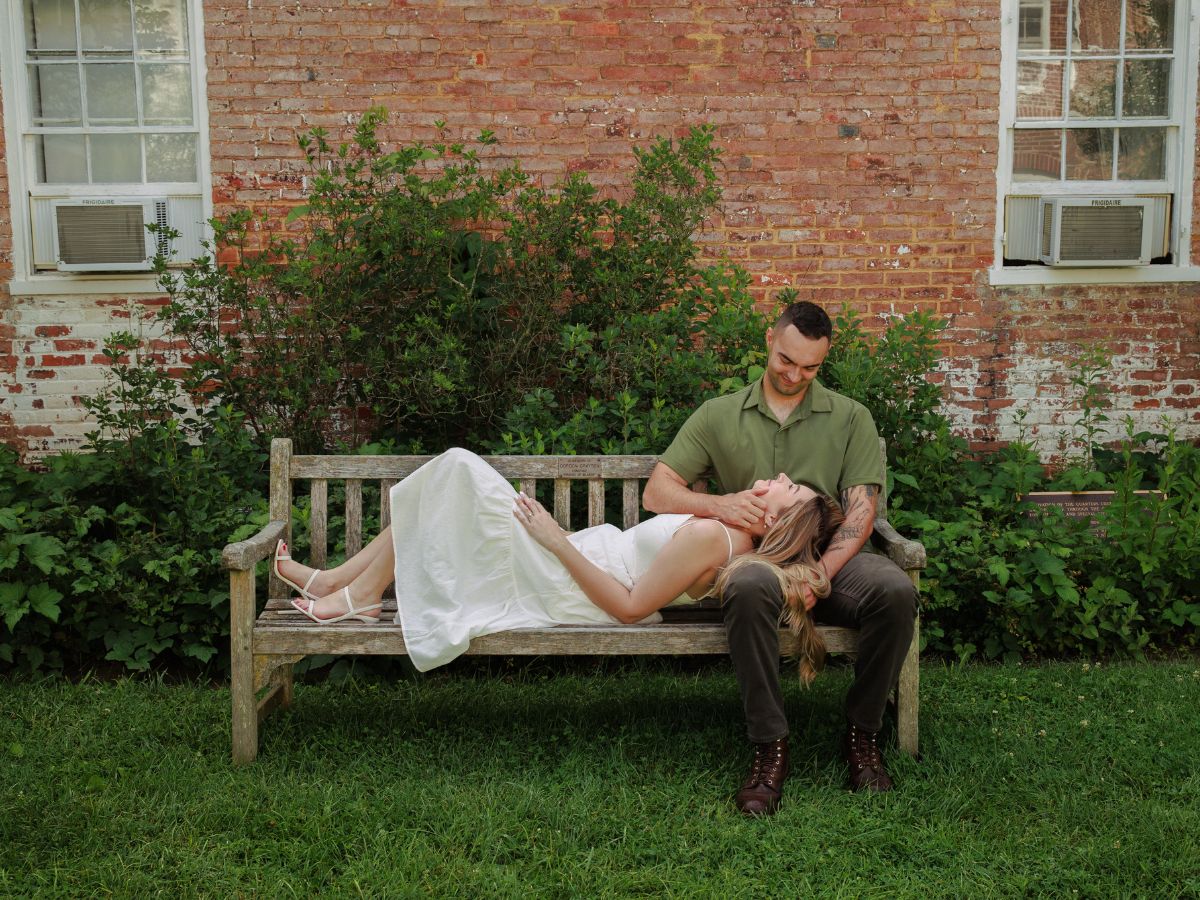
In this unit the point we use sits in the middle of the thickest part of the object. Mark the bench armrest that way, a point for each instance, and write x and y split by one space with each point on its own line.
244 554
907 554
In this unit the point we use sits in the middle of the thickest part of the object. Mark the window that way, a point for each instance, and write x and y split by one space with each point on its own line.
106 110
1099 101
110 91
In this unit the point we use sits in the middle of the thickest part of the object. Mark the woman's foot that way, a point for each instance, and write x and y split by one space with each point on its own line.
338 606
311 583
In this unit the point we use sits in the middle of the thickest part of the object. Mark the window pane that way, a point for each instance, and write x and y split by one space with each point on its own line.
166 95
116 157
1089 154
1143 153
1147 88
50 24
60 159
1149 24
111 95
161 25
1093 89
1097 26
106 24
1041 26
54 95
1039 90
171 157
1037 154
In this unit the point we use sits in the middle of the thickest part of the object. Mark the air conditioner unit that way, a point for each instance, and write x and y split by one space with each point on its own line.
1096 231
107 234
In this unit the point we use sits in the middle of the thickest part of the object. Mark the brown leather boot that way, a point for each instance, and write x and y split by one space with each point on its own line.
762 790
866 763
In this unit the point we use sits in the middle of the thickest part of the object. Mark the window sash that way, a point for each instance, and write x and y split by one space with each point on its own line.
149 97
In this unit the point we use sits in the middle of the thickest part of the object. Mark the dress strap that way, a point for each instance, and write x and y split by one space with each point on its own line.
728 536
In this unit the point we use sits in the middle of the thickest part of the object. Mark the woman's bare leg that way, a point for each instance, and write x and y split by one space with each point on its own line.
331 580
366 587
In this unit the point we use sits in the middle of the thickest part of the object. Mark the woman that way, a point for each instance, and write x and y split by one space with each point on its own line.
470 556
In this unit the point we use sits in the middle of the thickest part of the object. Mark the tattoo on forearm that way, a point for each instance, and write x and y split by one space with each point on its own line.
858 505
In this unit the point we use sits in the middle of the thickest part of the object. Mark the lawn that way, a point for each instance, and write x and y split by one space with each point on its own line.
601 780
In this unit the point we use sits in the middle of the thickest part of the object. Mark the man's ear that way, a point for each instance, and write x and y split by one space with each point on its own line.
770 335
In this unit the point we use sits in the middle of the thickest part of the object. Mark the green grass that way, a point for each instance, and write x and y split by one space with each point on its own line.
601 781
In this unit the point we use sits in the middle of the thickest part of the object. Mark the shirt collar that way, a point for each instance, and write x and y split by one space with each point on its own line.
817 399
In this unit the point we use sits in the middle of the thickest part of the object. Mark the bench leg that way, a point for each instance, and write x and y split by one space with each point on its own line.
241 664
908 692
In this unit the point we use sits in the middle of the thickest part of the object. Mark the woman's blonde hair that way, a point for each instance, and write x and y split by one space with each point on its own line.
791 549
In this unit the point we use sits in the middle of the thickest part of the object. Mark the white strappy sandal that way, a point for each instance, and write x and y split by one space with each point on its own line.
281 554
353 612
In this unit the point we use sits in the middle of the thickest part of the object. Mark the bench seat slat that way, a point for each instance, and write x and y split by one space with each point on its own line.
282 629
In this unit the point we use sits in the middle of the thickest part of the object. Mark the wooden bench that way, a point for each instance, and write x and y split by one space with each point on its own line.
264 645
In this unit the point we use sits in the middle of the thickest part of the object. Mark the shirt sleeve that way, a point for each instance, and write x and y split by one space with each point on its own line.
688 455
862 463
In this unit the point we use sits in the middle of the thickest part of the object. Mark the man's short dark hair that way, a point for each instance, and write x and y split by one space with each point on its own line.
810 320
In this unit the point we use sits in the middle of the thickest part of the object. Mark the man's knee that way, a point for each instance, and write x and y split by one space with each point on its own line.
752 588
879 589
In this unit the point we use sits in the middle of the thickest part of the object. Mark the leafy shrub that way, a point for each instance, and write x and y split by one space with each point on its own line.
115 554
429 300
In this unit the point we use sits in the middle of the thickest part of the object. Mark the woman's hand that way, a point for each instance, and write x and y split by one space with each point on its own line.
538 522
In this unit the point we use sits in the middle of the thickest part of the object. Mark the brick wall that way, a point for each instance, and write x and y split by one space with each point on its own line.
860 147
7 360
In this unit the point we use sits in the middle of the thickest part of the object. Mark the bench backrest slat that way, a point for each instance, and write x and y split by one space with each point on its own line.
385 506
630 502
514 467
562 502
319 521
595 502
353 516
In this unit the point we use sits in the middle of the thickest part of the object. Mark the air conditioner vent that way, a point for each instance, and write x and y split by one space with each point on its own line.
1096 231
99 235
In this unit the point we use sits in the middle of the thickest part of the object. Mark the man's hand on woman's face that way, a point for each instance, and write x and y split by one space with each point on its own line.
743 509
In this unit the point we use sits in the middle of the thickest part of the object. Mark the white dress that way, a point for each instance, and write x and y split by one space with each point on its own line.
466 567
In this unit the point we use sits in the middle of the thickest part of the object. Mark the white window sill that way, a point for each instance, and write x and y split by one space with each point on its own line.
91 285
1044 275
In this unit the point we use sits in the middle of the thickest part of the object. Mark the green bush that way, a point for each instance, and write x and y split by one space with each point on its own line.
115 554
431 300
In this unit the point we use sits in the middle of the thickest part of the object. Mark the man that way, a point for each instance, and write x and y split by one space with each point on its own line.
789 422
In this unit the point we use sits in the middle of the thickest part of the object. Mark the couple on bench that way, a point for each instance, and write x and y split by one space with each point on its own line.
470 556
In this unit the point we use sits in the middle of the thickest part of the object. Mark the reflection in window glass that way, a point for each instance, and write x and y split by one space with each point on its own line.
1039 89
1093 89
111 93
161 25
105 24
171 157
61 159
50 25
1037 154
1142 154
1089 155
54 94
1149 24
1096 27
1147 88
116 158
166 95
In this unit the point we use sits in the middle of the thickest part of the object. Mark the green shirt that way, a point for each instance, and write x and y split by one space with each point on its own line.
829 441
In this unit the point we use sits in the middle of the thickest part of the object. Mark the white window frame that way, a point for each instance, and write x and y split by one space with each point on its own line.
22 174
1181 161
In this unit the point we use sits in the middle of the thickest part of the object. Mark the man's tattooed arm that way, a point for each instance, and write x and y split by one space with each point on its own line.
858 504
